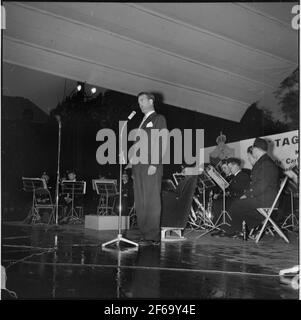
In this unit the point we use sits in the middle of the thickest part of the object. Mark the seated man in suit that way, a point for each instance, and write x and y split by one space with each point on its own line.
68 198
127 200
239 183
43 195
226 171
261 193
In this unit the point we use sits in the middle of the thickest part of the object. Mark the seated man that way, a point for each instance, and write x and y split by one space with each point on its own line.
239 183
43 195
44 198
261 193
127 195
71 176
69 198
226 171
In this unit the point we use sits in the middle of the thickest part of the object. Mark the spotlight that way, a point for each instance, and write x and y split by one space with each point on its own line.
93 90
79 87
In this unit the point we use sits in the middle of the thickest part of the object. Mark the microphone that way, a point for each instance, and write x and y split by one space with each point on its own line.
131 116
58 118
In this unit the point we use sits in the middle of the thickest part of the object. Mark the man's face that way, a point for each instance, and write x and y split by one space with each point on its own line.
45 177
71 176
251 159
226 169
230 165
125 178
145 104
255 153
233 167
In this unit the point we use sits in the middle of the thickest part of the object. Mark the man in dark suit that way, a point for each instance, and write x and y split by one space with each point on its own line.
261 192
239 183
147 176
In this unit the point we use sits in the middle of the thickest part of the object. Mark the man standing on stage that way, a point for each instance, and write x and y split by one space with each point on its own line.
147 177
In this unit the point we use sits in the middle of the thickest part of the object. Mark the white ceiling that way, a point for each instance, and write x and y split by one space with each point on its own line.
214 58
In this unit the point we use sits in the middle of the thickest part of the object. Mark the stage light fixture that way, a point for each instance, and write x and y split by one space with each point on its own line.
93 90
79 87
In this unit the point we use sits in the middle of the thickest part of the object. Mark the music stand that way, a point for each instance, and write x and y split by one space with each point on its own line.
33 185
106 189
73 188
223 184
204 182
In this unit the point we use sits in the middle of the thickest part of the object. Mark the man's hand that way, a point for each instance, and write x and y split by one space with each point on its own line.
243 197
151 170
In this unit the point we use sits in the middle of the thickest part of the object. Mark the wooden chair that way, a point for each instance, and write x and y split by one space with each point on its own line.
267 212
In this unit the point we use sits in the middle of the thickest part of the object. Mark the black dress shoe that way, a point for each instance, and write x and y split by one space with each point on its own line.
238 235
218 233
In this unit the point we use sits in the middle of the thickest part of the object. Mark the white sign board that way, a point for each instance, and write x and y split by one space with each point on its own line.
283 149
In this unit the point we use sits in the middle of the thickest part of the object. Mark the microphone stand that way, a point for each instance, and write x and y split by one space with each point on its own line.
56 226
58 176
120 238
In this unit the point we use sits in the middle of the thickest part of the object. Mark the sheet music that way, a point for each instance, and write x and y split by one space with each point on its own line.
105 185
69 186
30 184
217 178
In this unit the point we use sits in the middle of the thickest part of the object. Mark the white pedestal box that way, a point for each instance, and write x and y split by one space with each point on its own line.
106 222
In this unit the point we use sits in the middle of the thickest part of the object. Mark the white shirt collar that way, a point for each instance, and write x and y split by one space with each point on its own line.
237 173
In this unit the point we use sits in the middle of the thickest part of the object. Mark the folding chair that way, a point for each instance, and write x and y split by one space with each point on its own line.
45 203
267 212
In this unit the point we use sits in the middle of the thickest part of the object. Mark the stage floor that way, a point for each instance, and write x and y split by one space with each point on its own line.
198 268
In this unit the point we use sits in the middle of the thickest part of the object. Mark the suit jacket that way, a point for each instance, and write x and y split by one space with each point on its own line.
264 180
155 149
238 185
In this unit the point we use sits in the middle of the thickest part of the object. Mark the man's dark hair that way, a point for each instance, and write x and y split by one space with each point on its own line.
250 150
234 161
149 95
260 144
224 161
